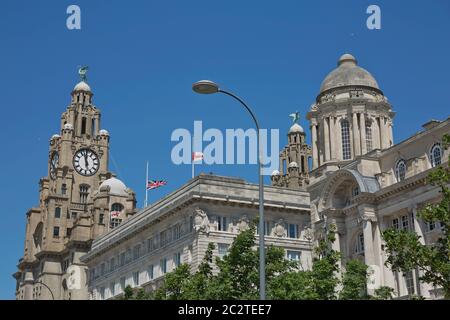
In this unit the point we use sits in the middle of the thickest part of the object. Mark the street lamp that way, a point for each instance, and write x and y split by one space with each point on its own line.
51 292
209 87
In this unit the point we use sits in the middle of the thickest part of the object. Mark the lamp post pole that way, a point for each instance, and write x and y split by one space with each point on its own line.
208 87
51 292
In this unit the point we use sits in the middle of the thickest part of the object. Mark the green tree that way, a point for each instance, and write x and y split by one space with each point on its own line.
354 282
175 283
128 293
404 248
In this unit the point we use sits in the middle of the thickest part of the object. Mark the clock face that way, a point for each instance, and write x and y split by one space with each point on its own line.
54 165
86 162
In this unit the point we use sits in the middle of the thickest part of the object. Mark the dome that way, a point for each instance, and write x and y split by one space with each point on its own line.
104 132
296 128
68 126
116 187
348 73
56 136
293 164
275 173
82 86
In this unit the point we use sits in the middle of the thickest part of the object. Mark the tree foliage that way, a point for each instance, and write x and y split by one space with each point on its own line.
404 248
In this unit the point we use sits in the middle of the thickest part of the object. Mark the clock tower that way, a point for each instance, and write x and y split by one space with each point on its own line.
79 200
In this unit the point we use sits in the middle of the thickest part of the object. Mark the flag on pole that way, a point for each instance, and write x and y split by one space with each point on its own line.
115 214
197 156
153 184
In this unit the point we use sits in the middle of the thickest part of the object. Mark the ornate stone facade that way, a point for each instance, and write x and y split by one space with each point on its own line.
79 200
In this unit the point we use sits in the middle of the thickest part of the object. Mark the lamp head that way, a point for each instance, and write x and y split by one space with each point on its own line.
205 87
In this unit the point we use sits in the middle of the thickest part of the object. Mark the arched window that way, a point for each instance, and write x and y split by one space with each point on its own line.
345 131
359 245
436 155
368 136
400 170
83 125
117 207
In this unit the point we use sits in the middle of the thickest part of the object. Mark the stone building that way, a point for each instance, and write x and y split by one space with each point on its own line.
178 228
76 200
364 183
353 176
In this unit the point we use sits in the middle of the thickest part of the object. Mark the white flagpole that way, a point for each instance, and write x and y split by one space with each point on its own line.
146 189
192 166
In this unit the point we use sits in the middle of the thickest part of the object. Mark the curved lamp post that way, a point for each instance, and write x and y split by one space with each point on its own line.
209 87
51 292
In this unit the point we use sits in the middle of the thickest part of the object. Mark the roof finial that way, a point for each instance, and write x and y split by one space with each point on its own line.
82 72
295 116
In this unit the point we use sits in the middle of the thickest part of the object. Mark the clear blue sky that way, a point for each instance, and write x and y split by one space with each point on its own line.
144 55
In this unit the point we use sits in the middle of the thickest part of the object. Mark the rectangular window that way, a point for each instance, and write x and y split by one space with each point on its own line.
409 281
136 278
405 223
368 136
293 231
63 188
55 232
222 223
267 228
223 249
345 132
129 256
68 232
176 232
191 223
395 224
115 222
177 259
150 272
136 251
122 284
102 293
102 268
101 218
122 258
293 255
431 226
150 245
74 216
163 238
163 265
112 290
112 264
57 212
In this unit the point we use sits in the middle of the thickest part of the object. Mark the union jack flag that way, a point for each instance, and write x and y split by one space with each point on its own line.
153 184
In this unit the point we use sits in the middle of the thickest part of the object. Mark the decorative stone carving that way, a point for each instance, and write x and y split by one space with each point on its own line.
279 229
201 221
243 223
308 233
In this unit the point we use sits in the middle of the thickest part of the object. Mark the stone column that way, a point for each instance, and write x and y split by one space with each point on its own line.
338 138
332 138
314 145
376 134
391 134
384 133
320 145
362 125
368 242
326 138
356 139
424 287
